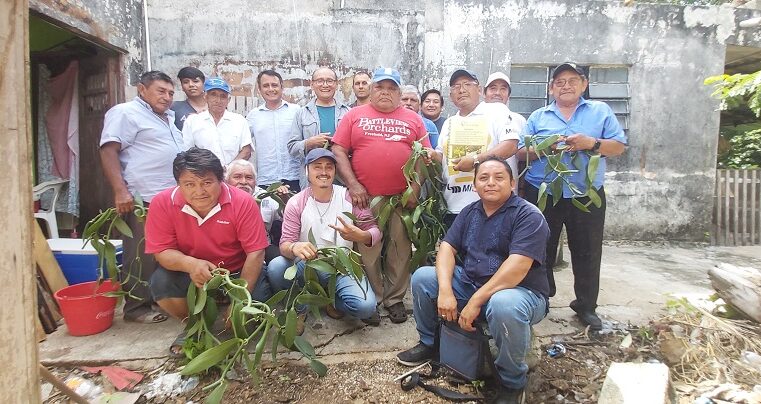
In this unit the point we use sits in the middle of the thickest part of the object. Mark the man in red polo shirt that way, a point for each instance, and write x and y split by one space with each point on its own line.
379 136
199 225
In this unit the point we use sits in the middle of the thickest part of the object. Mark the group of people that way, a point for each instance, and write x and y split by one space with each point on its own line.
200 169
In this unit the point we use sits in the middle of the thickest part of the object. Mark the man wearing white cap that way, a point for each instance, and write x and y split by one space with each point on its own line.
225 133
498 90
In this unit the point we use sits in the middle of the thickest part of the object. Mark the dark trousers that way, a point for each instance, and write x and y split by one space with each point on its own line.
134 277
585 231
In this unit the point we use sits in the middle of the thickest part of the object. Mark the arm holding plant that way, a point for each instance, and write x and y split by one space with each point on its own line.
198 269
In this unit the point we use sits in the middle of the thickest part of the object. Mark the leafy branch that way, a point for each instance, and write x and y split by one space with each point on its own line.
737 90
561 166
270 192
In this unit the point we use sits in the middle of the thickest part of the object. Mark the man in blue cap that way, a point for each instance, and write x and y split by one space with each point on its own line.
379 137
225 133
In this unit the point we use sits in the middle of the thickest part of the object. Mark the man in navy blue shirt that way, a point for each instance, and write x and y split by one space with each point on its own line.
501 240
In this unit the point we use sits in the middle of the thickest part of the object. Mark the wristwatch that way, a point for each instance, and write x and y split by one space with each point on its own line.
596 147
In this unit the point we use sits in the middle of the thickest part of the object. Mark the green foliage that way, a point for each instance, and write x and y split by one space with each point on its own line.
737 90
270 193
561 165
740 146
425 222
98 232
253 322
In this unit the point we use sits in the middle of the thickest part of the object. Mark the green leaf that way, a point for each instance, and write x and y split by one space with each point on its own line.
579 205
407 220
276 298
214 283
351 216
318 367
417 213
312 239
211 357
384 215
191 297
290 327
200 301
376 200
313 300
237 319
321 266
304 346
549 141
406 196
344 260
542 196
251 310
332 288
215 397
557 190
315 288
122 226
594 197
211 312
594 161
290 273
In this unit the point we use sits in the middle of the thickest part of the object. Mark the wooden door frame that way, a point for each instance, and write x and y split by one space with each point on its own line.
18 375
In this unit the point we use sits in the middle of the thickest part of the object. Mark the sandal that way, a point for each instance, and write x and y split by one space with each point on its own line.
148 317
397 313
175 350
373 320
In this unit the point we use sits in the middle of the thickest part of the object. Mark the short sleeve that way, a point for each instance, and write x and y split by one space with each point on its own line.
612 128
455 233
187 132
530 234
342 136
250 227
528 130
118 127
245 133
160 233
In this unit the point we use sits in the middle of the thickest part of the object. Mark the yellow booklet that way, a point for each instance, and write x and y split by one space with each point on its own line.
468 136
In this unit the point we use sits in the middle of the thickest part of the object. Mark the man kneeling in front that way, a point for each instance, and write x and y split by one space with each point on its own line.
501 240
199 225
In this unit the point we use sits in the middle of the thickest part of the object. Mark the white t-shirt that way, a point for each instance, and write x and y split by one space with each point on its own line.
225 140
502 124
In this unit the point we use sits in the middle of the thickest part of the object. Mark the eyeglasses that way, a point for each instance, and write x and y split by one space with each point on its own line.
571 82
322 82
467 85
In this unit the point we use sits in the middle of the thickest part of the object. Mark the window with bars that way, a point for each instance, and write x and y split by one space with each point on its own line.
529 88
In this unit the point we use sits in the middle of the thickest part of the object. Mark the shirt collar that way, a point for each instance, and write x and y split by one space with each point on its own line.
263 107
511 202
475 111
554 105
207 115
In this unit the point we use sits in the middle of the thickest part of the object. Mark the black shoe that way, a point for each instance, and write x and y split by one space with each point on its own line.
416 355
507 395
373 320
589 317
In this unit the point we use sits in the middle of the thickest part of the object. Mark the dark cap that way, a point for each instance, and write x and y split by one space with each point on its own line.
316 154
567 66
462 73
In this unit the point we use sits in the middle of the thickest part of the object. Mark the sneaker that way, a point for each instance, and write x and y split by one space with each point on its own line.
373 320
416 355
506 395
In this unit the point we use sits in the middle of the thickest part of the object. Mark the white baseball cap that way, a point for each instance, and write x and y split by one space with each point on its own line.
497 76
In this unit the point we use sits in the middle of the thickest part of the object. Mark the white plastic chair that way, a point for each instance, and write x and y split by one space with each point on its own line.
48 215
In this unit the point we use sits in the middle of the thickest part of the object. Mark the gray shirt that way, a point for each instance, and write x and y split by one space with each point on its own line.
148 146
270 131
182 109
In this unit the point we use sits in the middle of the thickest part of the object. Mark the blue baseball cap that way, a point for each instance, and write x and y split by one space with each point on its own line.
387 73
216 83
462 73
318 153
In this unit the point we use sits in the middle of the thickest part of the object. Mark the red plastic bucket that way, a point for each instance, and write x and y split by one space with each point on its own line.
85 309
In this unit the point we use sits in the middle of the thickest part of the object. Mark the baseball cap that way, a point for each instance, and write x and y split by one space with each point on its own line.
567 66
462 73
316 154
497 76
387 73
216 83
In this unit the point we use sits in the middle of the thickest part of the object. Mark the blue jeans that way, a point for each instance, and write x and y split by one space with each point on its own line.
351 298
509 314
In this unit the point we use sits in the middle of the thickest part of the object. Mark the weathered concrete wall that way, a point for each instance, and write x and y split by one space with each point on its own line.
660 188
115 24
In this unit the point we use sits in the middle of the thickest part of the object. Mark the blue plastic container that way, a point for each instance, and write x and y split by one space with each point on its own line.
79 262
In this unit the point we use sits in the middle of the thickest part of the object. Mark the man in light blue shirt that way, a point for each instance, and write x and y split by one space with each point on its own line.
271 125
585 127
411 100
137 146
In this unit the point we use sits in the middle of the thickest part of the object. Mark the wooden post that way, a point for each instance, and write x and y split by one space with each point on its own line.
19 377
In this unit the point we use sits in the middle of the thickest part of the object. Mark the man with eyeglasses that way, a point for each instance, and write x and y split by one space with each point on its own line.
317 121
500 139
432 104
379 138
225 133
587 128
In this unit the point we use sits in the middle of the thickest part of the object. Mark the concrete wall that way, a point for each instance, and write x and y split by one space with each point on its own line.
660 188
115 24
